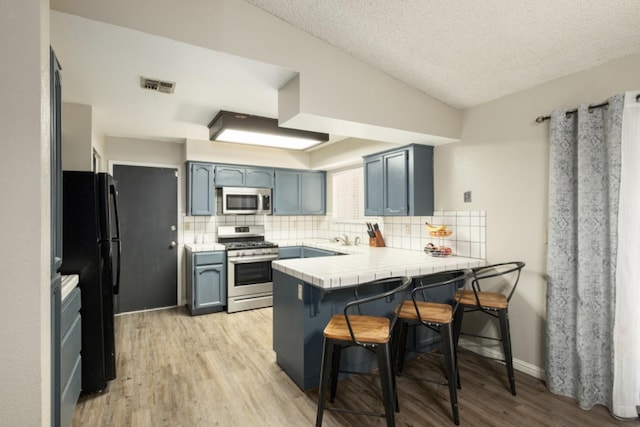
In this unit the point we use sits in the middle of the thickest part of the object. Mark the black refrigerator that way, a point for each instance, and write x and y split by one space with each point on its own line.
91 249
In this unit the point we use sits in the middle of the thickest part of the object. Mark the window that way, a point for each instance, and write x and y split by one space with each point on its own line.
348 196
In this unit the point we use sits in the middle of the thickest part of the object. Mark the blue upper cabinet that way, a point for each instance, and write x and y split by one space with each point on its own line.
200 191
259 177
313 196
241 176
299 192
286 192
399 182
395 197
373 186
230 176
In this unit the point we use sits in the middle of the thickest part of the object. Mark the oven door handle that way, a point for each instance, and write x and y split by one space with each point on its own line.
248 259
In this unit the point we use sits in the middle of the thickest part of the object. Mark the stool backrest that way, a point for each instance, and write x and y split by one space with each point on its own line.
371 295
440 287
507 273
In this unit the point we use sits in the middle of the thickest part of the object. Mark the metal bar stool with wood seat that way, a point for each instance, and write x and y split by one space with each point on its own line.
495 304
433 305
372 332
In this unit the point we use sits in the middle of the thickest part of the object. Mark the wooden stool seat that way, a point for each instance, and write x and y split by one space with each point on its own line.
433 305
353 327
367 329
490 300
431 312
495 304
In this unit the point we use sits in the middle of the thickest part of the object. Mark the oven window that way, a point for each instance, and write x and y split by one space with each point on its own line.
252 273
242 202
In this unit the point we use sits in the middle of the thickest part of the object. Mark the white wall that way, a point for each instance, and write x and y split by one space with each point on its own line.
77 136
222 152
333 84
346 153
24 216
503 159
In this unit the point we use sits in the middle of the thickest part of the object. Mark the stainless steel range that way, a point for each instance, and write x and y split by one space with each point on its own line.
249 283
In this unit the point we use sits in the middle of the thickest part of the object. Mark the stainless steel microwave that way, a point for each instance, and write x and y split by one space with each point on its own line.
246 201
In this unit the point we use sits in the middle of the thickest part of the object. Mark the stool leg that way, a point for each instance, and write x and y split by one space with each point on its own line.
448 346
503 317
401 346
386 381
325 371
335 370
457 326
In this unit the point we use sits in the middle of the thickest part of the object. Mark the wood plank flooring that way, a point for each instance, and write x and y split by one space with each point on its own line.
219 370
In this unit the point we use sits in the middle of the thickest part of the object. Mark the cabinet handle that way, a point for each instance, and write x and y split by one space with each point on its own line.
209 269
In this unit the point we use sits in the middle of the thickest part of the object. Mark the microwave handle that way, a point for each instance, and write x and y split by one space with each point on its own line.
265 203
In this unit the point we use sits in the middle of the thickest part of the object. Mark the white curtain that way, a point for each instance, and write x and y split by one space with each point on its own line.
626 384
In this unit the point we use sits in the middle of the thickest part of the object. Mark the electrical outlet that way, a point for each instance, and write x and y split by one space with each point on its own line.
467 196
407 229
300 291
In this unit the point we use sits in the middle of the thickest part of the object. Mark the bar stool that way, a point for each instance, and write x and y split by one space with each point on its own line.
353 328
433 304
495 304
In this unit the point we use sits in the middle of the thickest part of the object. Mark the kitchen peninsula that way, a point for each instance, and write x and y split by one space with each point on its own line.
308 291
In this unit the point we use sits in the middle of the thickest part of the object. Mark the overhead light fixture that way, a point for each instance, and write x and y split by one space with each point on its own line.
227 126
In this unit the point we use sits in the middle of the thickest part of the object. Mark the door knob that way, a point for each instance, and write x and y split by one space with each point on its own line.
172 245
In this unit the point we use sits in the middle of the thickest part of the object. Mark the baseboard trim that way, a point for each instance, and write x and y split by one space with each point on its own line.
518 365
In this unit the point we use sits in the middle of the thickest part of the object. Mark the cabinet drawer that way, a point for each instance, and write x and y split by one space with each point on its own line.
70 349
70 394
69 309
204 258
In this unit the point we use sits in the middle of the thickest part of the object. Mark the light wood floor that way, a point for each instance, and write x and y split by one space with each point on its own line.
219 370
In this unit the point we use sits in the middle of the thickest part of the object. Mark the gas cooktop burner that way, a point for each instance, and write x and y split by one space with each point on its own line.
249 245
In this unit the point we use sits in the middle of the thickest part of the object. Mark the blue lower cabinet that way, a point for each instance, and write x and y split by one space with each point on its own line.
300 313
70 356
290 252
206 282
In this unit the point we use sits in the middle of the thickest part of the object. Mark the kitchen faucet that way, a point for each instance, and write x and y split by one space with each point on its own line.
345 240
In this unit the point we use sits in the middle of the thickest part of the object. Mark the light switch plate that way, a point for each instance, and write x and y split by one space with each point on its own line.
467 196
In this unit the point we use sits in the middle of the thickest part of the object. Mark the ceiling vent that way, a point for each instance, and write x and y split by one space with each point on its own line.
157 85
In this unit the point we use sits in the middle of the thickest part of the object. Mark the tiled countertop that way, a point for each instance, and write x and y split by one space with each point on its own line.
204 247
364 263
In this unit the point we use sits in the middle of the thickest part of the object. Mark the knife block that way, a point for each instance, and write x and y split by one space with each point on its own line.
378 241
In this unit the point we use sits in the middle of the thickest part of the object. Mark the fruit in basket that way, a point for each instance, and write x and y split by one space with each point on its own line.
435 228
444 250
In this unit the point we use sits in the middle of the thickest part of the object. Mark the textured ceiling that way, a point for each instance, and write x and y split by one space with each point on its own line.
466 53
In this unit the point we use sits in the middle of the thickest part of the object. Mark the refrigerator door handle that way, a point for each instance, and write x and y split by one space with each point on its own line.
116 288
114 197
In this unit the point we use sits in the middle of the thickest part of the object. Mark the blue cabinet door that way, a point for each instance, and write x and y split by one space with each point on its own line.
286 192
373 186
313 194
259 177
230 176
399 182
290 252
396 181
315 253
209 287
200 190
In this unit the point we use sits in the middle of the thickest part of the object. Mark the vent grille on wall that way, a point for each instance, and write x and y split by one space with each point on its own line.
157 85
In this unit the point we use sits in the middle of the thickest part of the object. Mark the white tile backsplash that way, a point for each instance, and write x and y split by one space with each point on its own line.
468 227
